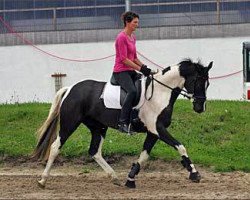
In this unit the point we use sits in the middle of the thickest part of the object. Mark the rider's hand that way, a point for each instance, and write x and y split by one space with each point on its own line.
145 70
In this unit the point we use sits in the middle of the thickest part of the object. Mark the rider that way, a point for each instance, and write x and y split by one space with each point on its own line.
126 62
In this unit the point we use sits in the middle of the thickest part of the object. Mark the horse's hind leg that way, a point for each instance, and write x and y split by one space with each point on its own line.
66 129
98 132
54 151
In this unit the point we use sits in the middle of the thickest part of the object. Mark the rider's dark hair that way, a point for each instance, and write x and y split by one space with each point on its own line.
128 17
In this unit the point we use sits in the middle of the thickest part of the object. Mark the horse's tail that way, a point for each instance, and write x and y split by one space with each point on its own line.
48 131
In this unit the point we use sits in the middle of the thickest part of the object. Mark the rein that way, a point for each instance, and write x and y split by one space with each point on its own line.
182 92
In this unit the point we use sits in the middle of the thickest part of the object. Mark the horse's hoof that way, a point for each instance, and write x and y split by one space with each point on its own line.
130 184
40 184
115 181
195 177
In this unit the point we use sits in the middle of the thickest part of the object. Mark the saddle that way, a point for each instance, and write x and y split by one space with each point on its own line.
123 92
114 96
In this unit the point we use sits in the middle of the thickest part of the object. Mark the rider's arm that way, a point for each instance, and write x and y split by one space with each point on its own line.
132 64
143 69
138 62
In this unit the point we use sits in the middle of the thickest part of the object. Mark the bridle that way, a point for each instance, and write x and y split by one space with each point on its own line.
182 92
206 78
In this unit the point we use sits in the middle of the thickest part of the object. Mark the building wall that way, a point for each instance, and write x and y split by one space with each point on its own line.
104 35
25 72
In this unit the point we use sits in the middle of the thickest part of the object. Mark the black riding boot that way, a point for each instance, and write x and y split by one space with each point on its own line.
124 121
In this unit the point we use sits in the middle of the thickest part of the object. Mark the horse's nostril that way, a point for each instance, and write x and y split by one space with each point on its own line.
200 111
198 108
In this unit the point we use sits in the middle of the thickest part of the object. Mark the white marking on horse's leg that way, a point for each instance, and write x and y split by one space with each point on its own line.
183 152
100 160
54 151
143 157
204 106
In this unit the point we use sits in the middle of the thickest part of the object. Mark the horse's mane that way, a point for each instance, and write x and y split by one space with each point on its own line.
187 66
188 61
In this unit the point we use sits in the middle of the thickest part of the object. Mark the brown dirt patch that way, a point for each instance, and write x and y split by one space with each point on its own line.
85 180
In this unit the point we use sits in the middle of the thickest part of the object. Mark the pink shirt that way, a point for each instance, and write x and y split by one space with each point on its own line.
124 48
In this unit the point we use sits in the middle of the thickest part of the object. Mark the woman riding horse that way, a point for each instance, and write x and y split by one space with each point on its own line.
81 104
126 62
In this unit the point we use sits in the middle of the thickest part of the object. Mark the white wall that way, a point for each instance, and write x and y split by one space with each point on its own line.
25 72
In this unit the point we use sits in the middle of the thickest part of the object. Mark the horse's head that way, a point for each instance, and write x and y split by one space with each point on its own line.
196 82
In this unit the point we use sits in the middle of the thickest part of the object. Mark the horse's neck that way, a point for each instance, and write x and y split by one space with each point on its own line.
171 78
162 95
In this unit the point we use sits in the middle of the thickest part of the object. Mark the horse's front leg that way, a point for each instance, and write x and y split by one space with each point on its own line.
165 136
147 147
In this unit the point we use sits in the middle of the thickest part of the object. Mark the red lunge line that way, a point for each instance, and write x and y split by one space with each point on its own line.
11 30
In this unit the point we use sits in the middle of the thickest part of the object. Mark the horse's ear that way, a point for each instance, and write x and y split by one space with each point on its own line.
210 66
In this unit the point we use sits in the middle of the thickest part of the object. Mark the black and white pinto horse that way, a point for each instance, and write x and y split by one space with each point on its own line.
81 103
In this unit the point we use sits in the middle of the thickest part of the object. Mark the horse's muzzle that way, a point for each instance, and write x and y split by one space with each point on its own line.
199 106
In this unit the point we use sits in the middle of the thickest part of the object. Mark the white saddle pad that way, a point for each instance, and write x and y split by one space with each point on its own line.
111 95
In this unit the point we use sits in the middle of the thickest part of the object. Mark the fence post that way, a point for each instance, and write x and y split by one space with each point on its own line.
218 11
127 5
54 19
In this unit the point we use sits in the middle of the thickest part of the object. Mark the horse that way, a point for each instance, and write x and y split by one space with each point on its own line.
81 104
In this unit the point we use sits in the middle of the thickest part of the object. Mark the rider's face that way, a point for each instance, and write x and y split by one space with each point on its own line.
133 24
